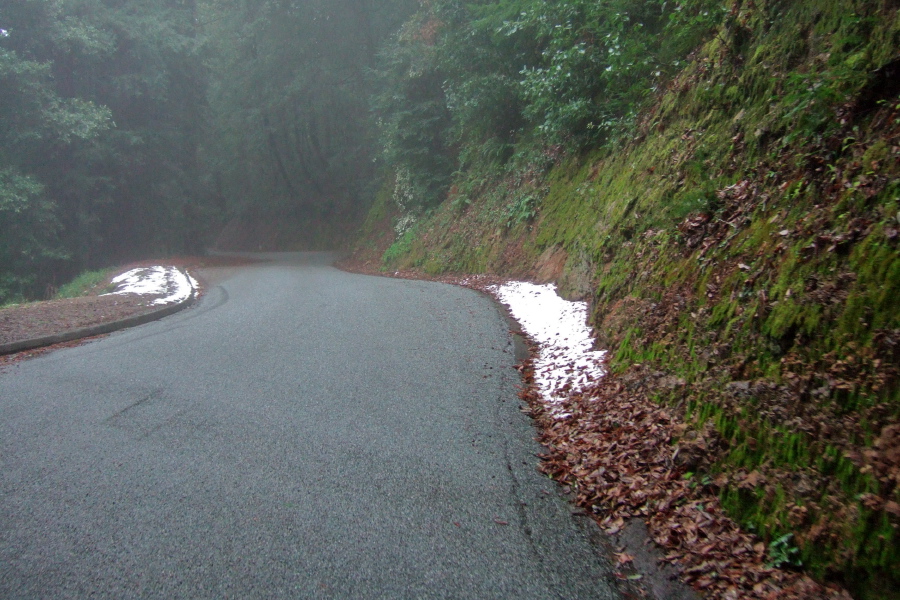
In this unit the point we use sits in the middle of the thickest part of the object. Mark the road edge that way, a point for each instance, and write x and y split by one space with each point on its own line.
100 329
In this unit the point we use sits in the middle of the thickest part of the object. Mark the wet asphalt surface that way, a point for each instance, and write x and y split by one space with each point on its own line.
300 433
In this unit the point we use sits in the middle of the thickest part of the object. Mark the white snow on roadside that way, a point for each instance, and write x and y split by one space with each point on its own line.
172 284
566 360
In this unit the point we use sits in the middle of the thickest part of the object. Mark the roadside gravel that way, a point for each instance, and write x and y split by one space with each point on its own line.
54 317
38 319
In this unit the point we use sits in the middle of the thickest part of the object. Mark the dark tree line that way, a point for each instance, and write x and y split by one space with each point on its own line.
134 127
100 114
131 128
475 89
289 101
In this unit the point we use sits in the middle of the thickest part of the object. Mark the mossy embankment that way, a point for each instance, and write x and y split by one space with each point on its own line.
747 242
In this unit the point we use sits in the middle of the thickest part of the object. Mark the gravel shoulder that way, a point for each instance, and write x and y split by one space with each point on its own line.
38 319
54 317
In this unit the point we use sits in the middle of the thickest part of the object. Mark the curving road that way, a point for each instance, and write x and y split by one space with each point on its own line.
300 433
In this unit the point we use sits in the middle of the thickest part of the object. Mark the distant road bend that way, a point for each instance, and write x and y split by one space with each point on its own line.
300 433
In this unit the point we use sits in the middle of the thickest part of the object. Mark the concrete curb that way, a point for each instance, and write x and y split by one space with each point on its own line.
103 328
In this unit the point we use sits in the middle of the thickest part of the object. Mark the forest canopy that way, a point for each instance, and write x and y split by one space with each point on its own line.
136 128
101 105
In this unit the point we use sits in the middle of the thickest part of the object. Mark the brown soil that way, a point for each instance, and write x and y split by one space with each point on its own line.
39 319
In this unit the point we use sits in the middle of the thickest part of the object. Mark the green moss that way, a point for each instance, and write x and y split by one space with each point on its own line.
399 249
806 268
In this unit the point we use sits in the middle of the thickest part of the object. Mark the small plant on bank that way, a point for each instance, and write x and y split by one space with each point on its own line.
522 209
86 284
783 554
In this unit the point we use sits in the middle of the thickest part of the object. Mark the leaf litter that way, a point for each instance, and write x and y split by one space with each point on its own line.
622 455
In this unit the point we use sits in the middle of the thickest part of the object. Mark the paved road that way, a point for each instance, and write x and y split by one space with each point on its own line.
300 433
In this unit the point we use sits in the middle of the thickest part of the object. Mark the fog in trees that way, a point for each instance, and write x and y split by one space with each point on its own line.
133 129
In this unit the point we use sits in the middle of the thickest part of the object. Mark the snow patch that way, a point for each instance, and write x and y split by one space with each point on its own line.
566 361
171 284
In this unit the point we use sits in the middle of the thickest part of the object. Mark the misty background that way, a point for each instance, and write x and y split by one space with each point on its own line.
135 129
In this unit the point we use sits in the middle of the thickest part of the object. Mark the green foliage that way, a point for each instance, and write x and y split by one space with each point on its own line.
400 248
601 61
87 283
523 208
590 51
467 85
28 229
412 114
100 109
